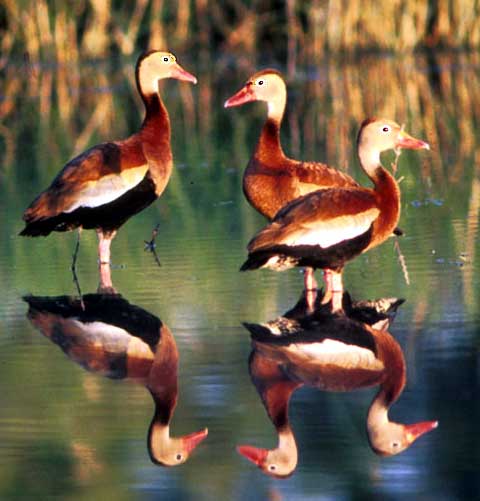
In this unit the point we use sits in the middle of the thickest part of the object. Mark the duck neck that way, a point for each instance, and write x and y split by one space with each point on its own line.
393 382
287 444
156 122
386 191
155 141
269 149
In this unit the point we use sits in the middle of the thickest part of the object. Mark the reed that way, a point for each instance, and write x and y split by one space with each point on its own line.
295 32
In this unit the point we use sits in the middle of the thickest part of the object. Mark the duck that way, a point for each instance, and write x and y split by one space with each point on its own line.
327 228
107 335
103 187
272 179
331 352
275 389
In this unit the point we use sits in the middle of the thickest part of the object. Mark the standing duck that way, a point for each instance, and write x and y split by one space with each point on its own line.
327 228
107 335
104 186
332 353
271 179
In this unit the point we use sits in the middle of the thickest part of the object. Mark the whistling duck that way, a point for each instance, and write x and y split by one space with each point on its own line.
333 353
271 179
107 335
104 186
327 228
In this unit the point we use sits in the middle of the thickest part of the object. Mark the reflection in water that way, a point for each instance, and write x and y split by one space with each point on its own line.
332 352
107 335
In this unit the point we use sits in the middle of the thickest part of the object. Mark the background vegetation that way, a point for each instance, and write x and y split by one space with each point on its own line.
67 83
293 30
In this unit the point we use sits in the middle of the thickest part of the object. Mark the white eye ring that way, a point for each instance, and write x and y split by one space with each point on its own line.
166 59
260 82
386 128
272 467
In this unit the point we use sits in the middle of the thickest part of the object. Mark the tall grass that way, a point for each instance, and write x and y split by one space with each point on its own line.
295 31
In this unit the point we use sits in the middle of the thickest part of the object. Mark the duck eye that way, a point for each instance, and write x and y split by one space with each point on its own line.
395 445
386 128
178 457
166 59
272 467
260 82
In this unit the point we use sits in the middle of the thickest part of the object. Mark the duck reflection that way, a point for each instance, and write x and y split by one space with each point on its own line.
107 335
331 352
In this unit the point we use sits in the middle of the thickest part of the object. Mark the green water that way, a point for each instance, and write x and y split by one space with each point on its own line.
69 433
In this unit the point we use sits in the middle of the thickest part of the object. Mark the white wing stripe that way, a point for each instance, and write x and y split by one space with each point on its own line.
335 231
108 189
334 352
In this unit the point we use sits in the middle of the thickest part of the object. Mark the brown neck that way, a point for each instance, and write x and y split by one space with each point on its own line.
394 380
156 119
162 380
269 149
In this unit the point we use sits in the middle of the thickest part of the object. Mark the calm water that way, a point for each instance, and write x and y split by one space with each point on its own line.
71 433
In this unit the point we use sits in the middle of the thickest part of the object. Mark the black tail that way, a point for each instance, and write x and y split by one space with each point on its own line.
258 331
38 228
255 260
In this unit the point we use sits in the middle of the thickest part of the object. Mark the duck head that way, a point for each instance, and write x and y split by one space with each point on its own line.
156 65
393 438
172 451
266 85
380 134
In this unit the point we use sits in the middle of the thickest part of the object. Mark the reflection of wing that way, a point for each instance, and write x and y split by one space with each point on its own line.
322 218
109 336
329 365
327 351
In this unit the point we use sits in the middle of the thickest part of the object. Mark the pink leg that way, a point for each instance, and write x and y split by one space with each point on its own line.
104 241
337 292
333 290
311 286
105 286
309 281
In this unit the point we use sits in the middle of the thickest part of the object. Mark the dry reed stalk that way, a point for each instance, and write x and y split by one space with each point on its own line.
292 38
183 19
43 21
470 238
96 38
126 40
188 107
31 35
157 35
102 115
45 97
11 91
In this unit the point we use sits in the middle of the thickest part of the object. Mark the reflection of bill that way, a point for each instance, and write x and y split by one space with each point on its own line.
107 335
332 353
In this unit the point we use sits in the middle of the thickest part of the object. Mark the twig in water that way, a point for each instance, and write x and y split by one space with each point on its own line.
401 259
150 245
398 152
77 285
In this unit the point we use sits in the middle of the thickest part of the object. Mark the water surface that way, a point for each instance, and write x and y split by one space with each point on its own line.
68 432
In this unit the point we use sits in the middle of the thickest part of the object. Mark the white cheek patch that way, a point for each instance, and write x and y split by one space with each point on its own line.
335 230
340 354
108 188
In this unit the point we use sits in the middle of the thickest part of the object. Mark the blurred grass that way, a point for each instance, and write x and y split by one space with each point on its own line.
294 31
